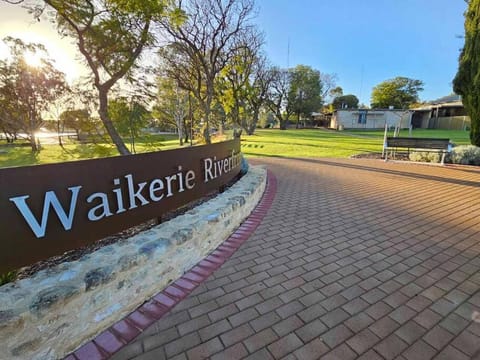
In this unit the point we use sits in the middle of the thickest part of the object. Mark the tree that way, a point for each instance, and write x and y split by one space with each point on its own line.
257 94
202 46
304 95
277 98
345 101
244 82
329 84
467 79
129 117
399 92
77 120
111 35
172 105
27 91
336 92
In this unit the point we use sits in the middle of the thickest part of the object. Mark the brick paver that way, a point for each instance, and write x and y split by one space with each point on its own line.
355 259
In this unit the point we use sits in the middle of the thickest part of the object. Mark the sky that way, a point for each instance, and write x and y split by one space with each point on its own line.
363 42
366 42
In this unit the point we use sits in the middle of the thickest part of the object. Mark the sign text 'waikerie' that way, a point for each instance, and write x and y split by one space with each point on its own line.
49 209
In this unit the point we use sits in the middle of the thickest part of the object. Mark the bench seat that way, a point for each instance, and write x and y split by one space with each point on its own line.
417 144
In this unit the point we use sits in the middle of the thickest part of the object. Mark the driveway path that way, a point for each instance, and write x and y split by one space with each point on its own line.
356 258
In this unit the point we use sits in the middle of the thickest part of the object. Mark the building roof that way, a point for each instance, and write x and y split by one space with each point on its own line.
452 98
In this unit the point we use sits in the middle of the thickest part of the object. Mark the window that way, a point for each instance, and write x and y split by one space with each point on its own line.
362 117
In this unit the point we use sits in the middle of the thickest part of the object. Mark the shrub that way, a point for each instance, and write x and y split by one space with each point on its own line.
7 277
424 156
465 155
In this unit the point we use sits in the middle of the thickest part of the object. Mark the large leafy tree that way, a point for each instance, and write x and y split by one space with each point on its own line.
304 95
277 97
399 92
129 117
257 94
244 82
203 45
26 91
467 80
110 35
345 101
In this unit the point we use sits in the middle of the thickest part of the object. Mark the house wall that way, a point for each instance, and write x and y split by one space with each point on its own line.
442 116
375 119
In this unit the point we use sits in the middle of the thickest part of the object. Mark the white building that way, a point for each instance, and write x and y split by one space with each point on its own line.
370 118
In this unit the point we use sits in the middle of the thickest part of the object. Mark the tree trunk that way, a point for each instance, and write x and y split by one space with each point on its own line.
298 121
207 109
206 126
59 136
31 130
283 122
253 125
103 112
33 142
206 133
179 123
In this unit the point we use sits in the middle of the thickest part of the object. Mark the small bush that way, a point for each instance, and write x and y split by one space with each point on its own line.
425 156
465 155
7 277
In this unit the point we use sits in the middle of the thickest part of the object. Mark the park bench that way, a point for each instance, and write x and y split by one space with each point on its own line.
417 144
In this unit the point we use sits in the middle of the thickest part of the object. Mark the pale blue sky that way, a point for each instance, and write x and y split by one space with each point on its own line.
385 38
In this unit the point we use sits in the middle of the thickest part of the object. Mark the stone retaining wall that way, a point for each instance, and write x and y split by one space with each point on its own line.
52 313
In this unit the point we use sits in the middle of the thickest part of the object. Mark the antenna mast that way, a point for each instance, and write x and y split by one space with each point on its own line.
288 53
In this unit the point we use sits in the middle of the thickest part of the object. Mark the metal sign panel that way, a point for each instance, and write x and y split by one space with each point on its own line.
49 209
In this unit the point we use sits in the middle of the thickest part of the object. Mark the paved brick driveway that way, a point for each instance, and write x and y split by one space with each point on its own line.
355 258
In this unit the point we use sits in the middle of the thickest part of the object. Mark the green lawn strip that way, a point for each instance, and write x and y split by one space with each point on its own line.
306 143
458 137
265 142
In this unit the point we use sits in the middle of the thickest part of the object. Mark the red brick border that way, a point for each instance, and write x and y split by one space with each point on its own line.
120 334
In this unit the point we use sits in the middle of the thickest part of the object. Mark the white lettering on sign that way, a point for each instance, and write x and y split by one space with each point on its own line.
103 205
134 195
51 199
103 208
214 168
190 179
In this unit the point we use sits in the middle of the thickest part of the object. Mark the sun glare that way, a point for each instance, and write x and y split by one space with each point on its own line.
4 52
33 58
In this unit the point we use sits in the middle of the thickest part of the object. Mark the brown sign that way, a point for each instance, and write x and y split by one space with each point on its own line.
49 209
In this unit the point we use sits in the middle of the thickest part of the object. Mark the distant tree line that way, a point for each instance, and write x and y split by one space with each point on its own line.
212 73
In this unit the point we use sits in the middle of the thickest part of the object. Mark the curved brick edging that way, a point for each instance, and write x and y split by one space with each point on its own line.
119 335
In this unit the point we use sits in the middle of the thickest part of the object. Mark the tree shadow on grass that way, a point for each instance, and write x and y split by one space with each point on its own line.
19 157
90 151
394 172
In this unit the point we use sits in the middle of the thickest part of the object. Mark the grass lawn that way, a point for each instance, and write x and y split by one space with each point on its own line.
268 142
329 143
459 137
53 153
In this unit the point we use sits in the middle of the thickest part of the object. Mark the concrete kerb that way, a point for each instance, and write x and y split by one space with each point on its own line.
58 309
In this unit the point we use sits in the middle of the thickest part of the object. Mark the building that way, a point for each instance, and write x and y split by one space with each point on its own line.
444 113
369 118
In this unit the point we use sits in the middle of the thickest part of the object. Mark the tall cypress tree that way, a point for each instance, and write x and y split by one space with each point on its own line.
467 80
